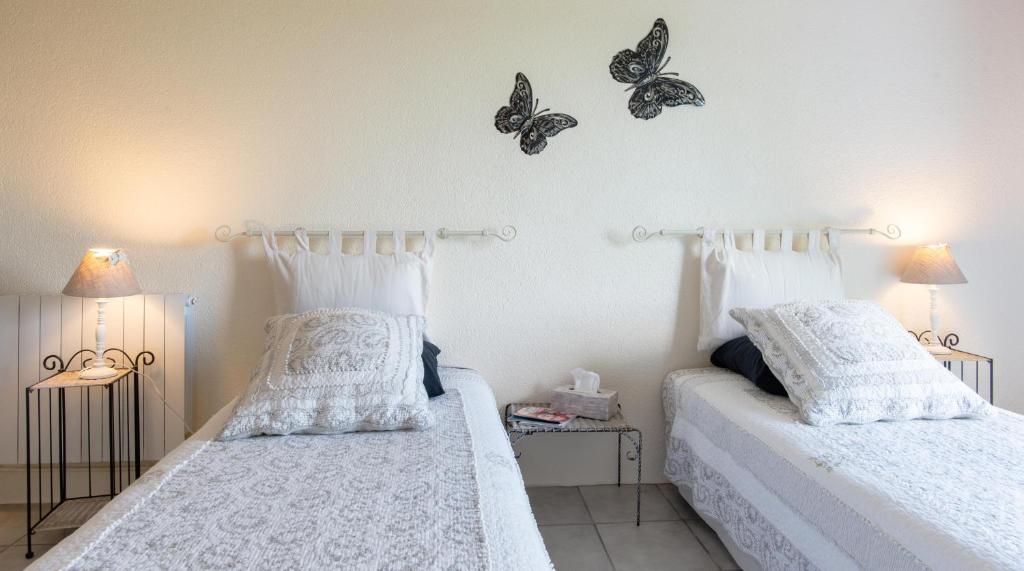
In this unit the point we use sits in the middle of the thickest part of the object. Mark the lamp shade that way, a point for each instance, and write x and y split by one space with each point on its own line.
933 265
103 273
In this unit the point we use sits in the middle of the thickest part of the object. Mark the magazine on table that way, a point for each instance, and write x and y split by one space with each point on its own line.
540 416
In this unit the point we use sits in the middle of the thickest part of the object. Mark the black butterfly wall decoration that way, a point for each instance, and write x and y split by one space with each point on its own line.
653 87
521 116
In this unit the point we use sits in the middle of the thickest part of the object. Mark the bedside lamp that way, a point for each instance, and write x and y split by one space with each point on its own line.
103 273
934 265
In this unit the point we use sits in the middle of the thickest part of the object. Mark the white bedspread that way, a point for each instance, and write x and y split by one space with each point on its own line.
939 494
448 498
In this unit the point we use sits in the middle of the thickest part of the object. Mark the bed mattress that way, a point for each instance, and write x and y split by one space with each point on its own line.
923 494
450 497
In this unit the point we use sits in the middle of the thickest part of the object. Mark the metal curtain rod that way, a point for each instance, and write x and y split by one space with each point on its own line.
506 234
640 234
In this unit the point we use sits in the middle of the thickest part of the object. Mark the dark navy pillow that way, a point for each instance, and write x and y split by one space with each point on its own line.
431 380
741 356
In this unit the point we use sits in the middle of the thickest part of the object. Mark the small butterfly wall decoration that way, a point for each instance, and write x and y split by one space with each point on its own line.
532 127
653 88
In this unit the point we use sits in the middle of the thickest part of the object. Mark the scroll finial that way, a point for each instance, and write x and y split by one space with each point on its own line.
223 233
640 234
507 234
892 232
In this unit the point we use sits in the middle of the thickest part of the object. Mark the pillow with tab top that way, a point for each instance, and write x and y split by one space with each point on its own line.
397 282
731 277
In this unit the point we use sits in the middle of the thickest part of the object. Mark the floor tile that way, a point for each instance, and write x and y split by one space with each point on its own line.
558 505
611 503
661 545
13 558
671 493
12 523
709 539
575 547
47 537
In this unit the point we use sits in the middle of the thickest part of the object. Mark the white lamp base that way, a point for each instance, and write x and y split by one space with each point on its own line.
97 369
936 349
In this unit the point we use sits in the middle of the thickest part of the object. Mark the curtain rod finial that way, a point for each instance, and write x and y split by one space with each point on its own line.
223 233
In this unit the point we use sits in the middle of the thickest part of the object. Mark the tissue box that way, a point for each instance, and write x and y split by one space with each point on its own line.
601 405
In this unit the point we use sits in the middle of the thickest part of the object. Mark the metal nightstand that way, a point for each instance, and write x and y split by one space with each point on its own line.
964 358
616 424
122 431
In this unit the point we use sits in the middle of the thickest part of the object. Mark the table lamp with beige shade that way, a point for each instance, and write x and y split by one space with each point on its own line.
103 273
933 265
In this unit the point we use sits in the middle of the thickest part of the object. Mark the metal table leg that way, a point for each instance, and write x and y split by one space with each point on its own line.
639 473
637 456
138 430
110 437
28 475
618 458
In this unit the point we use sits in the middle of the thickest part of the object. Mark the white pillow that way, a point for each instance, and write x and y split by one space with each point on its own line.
852 362
760 278
335 370
395 283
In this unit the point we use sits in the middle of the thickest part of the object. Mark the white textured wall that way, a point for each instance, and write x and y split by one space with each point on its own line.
145 125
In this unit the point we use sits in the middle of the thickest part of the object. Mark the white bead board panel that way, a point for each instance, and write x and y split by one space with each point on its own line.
34 326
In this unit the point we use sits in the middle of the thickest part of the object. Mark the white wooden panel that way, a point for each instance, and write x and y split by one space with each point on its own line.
49 344
28 368
94 406
114 317
174 371
12 413
115 328
134 332
153 417
71 343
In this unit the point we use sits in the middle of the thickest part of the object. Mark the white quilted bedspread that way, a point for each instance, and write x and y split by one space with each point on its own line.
450 497
940 494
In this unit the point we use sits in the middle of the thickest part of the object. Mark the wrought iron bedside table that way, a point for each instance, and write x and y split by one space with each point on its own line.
616 424
118 439
964 359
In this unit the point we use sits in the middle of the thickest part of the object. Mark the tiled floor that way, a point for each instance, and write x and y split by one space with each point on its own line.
12 538
592 528
588 528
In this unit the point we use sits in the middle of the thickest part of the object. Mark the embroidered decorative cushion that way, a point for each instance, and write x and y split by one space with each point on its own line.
852 362
335 370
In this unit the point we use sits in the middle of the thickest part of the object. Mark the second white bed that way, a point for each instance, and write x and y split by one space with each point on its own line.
938 494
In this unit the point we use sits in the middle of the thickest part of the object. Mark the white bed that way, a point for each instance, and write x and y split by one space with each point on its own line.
450 497
939 494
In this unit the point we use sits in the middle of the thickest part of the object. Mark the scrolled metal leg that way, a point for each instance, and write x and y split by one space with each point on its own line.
637 456
514 439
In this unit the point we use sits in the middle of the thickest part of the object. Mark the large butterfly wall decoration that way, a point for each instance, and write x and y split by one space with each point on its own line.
652 86
653 89
531 126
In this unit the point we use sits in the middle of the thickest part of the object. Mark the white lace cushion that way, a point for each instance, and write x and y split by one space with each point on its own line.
335 370
852 362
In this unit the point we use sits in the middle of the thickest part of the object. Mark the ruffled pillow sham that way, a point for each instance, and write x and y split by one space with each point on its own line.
850 361
335 370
